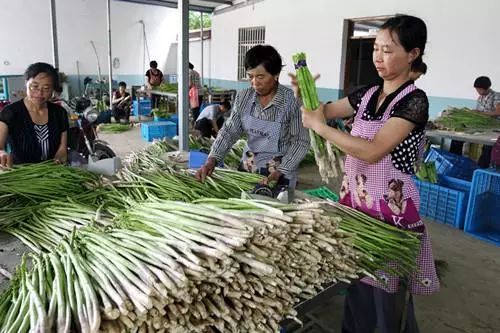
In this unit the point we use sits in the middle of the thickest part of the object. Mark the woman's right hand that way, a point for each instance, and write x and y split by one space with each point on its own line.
5 159
295 83
206 170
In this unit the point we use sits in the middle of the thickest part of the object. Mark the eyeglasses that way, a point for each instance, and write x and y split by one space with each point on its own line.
36 88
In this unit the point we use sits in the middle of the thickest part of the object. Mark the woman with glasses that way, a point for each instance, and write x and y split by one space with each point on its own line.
268 114
35 128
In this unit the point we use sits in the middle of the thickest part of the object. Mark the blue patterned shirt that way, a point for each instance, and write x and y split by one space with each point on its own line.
488 102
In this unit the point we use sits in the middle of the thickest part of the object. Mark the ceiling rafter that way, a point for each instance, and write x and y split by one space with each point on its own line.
201 5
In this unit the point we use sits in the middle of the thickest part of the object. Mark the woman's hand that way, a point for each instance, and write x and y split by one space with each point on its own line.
295 83
61 157
313 119
274 176
5 160
206 170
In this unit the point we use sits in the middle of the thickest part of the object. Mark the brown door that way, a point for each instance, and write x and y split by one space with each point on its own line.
360 70
359 37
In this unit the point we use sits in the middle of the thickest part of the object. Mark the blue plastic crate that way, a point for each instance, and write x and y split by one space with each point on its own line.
198 158
483 214
452 165
158 130
141 107
156 118
444 202
174 118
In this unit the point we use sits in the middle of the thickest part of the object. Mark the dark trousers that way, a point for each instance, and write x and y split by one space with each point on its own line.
195 112
205 126
121 113
485 158
456 147
367 308
154 100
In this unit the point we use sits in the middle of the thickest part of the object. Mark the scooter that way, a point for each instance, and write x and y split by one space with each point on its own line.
83 140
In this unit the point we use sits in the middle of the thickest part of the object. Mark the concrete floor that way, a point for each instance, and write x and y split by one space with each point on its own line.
469 300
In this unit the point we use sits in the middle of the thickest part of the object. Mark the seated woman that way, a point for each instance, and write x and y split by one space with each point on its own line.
121 103
35 128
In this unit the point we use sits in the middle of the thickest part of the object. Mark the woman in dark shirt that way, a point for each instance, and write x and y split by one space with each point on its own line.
382 148
35 128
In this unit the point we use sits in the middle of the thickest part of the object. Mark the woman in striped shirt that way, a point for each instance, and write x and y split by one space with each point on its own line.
35 128
268 114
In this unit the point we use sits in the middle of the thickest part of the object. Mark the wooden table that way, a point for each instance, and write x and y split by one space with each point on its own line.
485 138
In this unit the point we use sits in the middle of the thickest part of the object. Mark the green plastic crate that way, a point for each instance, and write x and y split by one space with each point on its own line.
322 192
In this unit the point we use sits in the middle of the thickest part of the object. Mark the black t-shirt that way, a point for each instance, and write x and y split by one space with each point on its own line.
414 107
22 137
123 104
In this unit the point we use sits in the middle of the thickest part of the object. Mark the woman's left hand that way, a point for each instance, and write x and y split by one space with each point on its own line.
313 118
274 176
61 158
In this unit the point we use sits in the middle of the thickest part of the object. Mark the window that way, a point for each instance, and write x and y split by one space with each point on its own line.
248 38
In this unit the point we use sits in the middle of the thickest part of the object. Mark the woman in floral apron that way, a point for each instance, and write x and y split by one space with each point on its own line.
384 144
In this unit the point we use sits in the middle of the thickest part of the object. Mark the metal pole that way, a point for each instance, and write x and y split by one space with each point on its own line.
183 75
202 32
110 60
53 18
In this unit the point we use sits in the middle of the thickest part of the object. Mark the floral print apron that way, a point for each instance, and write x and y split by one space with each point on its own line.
382 191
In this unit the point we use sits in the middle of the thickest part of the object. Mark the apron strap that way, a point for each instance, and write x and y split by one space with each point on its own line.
396 99
364 101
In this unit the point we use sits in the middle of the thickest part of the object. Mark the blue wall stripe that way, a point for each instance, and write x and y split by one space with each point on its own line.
436 103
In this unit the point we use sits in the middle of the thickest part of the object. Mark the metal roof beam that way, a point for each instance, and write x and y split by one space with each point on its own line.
222 2
170 4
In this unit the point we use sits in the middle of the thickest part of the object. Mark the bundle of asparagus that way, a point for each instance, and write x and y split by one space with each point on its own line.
179 185
463 119
328 157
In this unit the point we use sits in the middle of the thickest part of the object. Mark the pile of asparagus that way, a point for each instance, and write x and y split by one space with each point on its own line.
230 265
152 157
464 119
118 256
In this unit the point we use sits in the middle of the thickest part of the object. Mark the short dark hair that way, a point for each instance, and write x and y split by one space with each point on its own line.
122 84
226 105
42 67
264 55
191 66
483 82
412 33
153 64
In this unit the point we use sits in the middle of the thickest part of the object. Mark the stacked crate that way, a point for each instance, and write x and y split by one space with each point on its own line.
141 107
483 213
447 201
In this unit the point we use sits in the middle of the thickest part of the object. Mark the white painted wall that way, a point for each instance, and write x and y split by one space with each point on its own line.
461 38
27 37
195 57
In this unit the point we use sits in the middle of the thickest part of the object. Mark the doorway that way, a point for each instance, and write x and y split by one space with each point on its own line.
359 36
